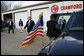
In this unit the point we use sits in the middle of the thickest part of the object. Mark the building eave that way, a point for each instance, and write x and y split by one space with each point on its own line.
32 5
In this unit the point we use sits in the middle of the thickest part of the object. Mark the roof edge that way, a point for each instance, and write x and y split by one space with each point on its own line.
32 5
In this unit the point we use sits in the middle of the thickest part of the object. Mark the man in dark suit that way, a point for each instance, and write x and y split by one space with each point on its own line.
29 24
10 24
52 32
21 25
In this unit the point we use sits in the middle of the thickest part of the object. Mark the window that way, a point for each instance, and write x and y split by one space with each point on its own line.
63 17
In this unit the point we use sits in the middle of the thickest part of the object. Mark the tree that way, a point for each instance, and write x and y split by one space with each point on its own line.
5 6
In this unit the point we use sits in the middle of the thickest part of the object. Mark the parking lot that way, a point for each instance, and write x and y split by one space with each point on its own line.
10 43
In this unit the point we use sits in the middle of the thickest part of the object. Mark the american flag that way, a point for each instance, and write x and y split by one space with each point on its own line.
37 31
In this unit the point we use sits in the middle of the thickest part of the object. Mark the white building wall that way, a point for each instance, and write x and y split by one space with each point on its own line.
46 12
18 16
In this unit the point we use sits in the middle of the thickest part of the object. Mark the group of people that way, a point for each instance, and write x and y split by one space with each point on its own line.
29 25
52 31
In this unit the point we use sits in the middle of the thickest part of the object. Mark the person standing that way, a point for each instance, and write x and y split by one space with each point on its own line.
10 25
52 32
29 24
21 25
64 23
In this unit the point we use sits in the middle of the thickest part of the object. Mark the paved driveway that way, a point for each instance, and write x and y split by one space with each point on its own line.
10 44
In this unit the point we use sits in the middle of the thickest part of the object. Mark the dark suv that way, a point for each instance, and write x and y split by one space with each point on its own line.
70 42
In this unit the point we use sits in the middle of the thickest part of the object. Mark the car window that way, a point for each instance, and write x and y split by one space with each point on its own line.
63 17
77 22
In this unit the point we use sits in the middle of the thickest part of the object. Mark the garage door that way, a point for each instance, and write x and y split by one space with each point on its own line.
20 15
46 15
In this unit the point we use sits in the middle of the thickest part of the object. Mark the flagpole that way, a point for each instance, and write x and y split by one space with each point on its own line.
42 39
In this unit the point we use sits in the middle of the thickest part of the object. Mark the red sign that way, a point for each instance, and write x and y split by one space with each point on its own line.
71 7
54 8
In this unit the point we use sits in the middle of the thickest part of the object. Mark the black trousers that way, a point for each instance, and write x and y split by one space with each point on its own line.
28 30
10 28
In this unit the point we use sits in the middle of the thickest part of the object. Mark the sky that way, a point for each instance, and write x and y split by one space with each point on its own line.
23 3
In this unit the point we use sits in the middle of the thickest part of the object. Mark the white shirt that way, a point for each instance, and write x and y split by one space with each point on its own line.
29 23
10 22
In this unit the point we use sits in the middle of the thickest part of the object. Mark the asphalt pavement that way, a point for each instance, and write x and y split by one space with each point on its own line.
10 43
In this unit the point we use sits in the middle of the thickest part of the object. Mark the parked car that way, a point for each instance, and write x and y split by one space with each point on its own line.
2 25
70 42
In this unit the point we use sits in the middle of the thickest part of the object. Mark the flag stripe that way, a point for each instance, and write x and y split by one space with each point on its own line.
35 31
32 38
28 42
33 35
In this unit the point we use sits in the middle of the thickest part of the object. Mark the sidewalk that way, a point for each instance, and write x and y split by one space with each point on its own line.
10 44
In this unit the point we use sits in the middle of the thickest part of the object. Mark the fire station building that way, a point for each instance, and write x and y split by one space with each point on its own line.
46 8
